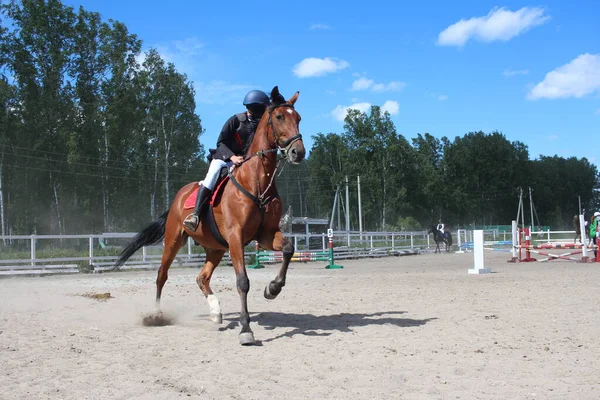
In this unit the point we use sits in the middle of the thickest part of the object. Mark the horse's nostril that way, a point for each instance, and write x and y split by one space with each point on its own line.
294 151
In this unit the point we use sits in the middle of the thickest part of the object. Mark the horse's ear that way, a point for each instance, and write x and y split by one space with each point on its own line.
294 98
276 97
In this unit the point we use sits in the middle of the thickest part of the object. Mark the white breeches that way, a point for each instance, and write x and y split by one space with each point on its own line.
213 172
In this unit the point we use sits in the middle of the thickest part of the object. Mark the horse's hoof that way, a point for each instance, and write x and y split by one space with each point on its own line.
270 295
247 339
218 318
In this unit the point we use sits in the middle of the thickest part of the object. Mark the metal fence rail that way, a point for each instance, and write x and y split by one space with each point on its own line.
36 254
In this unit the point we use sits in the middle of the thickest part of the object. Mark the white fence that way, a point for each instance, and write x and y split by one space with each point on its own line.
24 254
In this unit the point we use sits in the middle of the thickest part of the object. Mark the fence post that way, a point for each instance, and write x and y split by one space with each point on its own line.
144 253
323 241
33 250
189 248
393 240
91 250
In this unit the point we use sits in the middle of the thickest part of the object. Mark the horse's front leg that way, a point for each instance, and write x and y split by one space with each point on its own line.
277 242
236 251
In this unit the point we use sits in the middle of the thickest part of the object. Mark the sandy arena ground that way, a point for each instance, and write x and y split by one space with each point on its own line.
416 327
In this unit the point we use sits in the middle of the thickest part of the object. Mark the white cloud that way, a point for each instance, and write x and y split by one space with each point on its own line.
578 78
340 112
221 92
189 46
310 67
363 83
320 27
499 24
512 72
184 54
391 106
442 97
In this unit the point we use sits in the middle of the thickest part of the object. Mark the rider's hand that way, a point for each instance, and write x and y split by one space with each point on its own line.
237 160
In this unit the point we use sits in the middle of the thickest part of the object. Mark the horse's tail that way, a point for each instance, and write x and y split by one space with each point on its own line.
152 234
449 238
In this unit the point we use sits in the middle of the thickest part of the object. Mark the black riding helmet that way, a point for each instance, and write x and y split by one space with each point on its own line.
256 97
256 101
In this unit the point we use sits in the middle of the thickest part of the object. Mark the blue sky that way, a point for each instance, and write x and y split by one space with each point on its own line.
529 70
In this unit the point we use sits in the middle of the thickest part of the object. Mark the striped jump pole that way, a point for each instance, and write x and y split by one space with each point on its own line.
332 264
302 256
527 234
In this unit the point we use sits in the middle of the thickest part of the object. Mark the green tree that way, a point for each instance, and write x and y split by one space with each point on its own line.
170 123
483 172
37 54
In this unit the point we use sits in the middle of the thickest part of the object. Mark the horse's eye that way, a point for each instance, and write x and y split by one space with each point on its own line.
279 117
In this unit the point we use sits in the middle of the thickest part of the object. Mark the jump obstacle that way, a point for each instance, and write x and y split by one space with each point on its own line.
277 256
522 244
522 247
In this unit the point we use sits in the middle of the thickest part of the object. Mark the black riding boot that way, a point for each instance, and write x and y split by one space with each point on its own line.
191 222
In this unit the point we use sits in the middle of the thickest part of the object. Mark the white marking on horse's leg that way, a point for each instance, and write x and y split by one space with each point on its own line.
213 303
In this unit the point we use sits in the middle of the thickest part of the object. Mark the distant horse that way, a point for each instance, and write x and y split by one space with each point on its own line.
245 207
441 238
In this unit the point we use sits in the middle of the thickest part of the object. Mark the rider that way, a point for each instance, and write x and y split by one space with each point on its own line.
232 144
440 227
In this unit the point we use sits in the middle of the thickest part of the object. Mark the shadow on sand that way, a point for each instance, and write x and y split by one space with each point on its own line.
325 325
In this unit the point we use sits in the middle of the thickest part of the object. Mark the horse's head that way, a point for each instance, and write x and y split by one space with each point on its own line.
284 121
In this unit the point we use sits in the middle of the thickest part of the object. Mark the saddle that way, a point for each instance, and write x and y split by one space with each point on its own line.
209 216
190 202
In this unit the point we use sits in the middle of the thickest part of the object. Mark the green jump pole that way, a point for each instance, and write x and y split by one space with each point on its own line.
257 264
332 264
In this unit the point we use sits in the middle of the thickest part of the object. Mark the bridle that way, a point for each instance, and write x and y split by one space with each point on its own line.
262 199
283 147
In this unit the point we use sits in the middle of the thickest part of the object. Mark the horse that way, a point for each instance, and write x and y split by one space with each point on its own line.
439 238
244 207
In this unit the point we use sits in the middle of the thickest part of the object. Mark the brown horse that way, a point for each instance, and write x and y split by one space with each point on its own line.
247 208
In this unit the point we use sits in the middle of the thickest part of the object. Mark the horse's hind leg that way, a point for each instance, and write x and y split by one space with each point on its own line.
173 242
277 242
213 258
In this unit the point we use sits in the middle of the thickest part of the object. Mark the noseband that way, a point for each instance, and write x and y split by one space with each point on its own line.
283 147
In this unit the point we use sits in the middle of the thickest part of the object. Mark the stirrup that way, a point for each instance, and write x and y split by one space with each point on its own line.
191 222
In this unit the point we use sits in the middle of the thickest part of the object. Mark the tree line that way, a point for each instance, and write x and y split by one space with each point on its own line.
96 136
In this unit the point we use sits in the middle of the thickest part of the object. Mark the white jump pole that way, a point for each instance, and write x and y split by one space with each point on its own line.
478 261
584 255
515 242
460 250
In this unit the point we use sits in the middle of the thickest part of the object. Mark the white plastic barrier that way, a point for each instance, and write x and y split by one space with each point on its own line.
478 259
